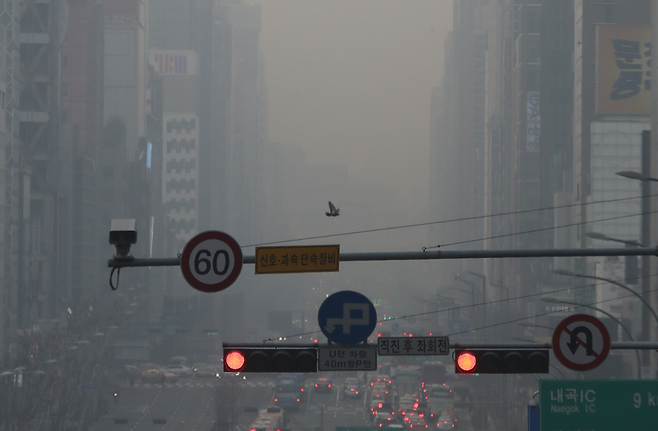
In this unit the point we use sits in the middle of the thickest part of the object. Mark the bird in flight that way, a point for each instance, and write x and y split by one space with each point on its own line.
333 211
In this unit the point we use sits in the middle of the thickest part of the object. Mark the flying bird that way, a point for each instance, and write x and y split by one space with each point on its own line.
333 211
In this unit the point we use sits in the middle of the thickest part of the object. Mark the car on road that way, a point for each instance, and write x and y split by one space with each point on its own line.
132 372
287 401
417 423
352 388
154 375
180 370
323 384
289 383
382 420
381 407
447 420
206 371
386 380
151 376
406 405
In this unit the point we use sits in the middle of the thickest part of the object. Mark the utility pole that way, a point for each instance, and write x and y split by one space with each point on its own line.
646 238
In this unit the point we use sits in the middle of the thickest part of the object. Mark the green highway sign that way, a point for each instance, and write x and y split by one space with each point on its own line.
598 405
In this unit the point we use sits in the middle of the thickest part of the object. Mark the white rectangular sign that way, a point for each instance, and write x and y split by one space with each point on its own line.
400 346
347 358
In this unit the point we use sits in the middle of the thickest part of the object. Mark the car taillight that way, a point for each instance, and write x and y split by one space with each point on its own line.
352 389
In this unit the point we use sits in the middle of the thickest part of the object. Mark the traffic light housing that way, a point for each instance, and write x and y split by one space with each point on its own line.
249 359
501 361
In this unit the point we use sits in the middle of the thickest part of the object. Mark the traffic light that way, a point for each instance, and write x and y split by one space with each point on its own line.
501 361
297 359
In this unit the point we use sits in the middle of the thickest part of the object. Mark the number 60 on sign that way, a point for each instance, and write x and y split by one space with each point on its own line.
211 261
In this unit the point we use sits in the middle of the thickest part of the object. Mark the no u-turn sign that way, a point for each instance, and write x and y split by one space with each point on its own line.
581 342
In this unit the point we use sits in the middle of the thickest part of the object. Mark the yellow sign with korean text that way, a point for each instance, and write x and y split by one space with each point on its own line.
623 70
304 258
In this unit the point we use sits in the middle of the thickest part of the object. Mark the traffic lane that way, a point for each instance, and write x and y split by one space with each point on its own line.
132 405
238 399
184 402
192 410
333 409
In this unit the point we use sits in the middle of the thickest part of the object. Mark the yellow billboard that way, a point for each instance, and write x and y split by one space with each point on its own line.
304 258
623 70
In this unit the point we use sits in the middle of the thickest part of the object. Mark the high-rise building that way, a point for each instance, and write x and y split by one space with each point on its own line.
612 104
38 175
9 93
125 70
81 122
459 122
236 109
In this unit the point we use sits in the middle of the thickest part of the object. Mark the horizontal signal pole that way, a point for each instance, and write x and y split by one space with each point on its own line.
615 345
422 255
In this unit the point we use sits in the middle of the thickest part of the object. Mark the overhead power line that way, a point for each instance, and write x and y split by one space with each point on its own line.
461 219
539 230
479 304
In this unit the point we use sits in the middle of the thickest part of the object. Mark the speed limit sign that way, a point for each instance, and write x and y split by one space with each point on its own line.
211 261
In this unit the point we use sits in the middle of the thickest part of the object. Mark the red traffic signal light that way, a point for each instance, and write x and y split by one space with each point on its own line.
466 362
501 361
297 359
234 361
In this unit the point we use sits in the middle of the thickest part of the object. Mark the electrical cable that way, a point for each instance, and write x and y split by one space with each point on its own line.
539 230
461 219
112 272
461 307
572 305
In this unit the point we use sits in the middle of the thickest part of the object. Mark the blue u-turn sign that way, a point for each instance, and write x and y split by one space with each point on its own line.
347 317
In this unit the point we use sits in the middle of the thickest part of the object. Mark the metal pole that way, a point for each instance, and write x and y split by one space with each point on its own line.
423 255
646 235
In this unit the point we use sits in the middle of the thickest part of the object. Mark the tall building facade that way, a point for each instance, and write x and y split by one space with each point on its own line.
81 122
9 91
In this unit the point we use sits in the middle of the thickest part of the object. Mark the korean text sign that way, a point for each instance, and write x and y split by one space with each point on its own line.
322 258
623 70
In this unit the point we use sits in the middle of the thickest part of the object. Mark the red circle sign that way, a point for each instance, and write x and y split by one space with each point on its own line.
211 261
581 342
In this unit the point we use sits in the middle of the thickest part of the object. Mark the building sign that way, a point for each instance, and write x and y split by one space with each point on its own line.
311 258
533 123
173 62
623 70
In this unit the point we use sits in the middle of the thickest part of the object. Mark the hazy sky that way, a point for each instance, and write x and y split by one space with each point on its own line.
350 81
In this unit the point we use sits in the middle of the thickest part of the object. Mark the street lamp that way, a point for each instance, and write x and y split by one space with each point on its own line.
577 304
603 237
608 280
